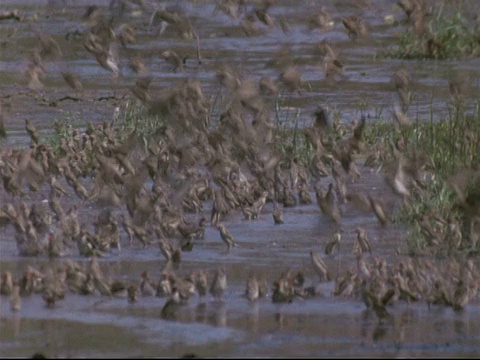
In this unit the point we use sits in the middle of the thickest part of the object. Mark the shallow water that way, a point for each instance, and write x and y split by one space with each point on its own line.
323 326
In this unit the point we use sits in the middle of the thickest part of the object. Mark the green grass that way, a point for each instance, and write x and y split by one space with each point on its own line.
451 146
453 36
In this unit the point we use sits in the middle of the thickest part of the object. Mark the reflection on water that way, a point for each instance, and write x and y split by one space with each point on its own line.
261 325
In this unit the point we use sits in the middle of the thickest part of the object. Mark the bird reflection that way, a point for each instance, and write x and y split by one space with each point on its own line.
219 316
380 331
253 316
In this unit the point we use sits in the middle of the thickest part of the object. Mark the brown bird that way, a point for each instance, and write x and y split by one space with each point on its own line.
55 246
147 287
277 214
291 77
321 20
259 204
378 208
132 293
201 282
408 6
72 80
226 236
402 79
31 131
355 26
230 8
48 47
107 60
326 202
126 34
164 286
219 283
6 285
333 243
56 188
319 266
249 25
362 243
304 196
119 288
264 17
333 68
400 183
283 290
289 199
174 59
137 64
252 291
268 86
192 231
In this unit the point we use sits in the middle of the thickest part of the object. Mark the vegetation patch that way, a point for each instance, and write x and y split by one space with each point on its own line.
438 36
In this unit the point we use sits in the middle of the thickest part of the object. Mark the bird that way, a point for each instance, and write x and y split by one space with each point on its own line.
304 196
289 199
219 283
132 294
291 77
107 60
319 266
174 59
252 291
55 246
164 286
379 210
6 285
355 26
171 252
146 285
72 80
201 282
277 214
333 243
362 243
326 202
283 290
226 236
259 204
55 187
268 86
401 118
400 182
192 231
321 20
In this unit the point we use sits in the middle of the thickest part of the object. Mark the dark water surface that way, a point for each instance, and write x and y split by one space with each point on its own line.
322 326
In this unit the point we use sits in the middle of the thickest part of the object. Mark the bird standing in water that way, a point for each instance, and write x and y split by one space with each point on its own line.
219 283
226 236
277 214
333 243
319 266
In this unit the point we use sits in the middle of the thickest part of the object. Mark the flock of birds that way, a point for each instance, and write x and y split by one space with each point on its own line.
150 191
